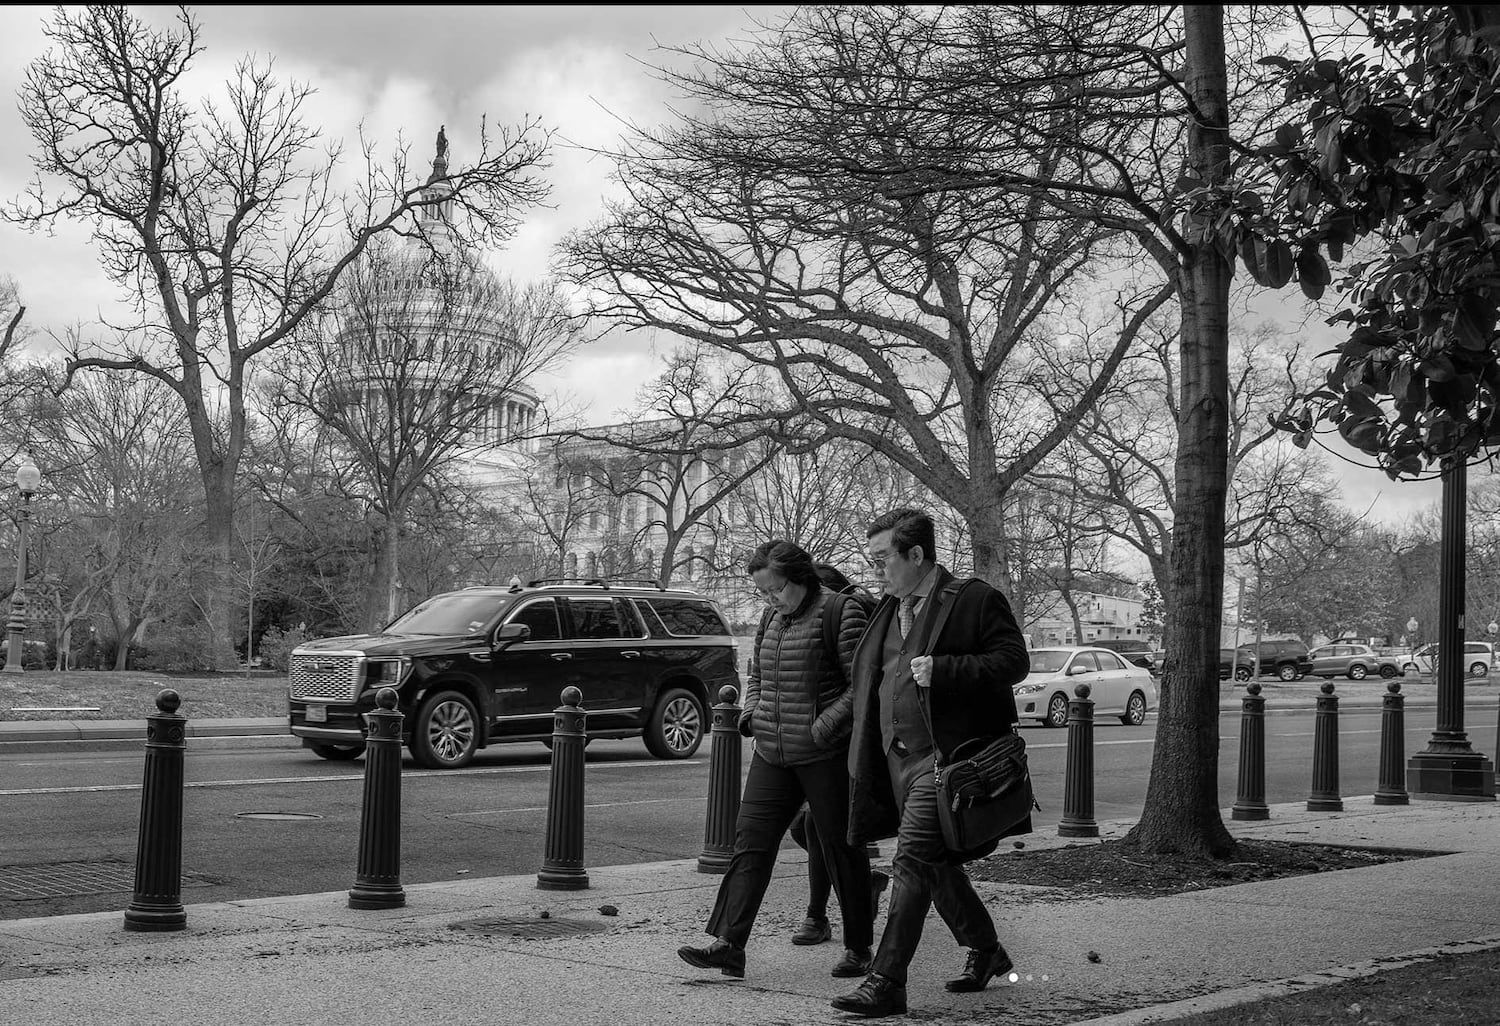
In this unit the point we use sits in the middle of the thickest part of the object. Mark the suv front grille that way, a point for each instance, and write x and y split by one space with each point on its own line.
325 676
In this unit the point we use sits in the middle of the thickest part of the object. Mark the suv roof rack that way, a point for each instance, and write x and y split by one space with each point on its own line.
601 582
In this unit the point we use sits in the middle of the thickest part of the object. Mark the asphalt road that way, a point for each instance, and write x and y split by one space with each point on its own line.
264 817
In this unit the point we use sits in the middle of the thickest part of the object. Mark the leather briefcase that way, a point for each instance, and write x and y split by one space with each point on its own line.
983 794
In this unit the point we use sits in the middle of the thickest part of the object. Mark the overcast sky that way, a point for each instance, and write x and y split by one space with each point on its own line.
406 70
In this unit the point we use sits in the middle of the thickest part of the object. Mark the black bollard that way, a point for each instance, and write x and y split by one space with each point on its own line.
562 863
1392 789
377 884
1250 803
157 903
1078 779
1325 783
723 785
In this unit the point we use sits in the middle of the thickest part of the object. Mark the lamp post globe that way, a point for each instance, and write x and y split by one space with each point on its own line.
28 480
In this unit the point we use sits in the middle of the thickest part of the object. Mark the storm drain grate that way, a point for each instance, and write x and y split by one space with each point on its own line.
527 926
65 879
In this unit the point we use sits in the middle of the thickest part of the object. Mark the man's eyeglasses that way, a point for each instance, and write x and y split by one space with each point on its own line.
879 562
763 593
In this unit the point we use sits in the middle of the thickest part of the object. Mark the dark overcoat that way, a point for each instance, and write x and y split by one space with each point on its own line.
977 652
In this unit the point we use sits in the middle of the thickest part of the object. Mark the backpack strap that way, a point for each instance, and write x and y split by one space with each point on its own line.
760 633
833 613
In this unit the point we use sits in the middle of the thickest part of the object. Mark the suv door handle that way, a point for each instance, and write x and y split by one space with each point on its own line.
630 654
562 657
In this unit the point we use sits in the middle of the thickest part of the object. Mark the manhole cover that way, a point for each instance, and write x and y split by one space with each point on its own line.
527 926
276 815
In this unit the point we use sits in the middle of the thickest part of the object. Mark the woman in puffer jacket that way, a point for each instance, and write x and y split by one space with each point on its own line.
799 708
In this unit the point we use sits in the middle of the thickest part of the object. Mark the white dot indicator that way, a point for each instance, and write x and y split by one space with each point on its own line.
1013 977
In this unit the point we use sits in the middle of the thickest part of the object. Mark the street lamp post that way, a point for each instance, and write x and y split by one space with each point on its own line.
28 480
1449 769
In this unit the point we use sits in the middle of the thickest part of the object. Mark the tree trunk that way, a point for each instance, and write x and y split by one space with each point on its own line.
380 597
1181 811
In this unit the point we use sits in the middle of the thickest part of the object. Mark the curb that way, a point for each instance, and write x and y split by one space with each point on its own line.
135 730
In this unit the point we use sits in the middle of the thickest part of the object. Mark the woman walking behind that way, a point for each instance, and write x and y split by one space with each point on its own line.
798 707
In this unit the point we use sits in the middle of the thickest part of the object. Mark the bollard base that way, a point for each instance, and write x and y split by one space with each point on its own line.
1325 805
1394 798
155 920
377 897
1078 830
562 880
1250 813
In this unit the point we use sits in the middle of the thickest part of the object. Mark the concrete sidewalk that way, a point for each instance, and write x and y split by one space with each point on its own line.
499 950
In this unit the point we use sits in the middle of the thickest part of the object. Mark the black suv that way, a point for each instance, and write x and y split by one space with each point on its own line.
485 665
1132 650
1285 659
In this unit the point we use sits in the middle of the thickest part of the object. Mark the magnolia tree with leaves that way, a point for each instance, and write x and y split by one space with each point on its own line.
222 224
1389 159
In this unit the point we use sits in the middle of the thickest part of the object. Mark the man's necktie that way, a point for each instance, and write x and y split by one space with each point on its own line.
906 615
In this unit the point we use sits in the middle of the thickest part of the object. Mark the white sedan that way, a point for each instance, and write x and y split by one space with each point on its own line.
1117 688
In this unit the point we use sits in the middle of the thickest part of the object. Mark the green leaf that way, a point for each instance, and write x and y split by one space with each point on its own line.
1279 263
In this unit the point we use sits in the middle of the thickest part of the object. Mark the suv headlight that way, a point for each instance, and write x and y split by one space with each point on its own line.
386 672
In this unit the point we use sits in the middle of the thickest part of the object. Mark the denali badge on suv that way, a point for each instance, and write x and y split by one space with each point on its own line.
480 666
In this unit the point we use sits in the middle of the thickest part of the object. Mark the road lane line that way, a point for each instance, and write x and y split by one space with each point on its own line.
595 805
357 777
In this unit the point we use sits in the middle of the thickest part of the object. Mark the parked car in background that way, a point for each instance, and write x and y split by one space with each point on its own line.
1355 661
1117 688
1284 659
479 666
1132 650
1479 659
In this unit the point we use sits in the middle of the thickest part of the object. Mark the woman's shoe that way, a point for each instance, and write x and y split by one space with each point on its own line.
720 955
812 931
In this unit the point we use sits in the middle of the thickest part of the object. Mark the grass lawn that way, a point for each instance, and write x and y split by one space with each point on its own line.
131 694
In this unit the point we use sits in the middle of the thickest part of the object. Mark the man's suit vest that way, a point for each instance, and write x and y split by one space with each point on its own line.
901 715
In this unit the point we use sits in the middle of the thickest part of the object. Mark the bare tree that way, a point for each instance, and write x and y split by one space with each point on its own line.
221 225
412 370
1122 455
697 435
796 223
120 466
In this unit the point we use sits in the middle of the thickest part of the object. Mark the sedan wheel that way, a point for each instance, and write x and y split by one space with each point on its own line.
1057 711
1479 670
446 732
1358 671
1388 671
1242 673
1135 710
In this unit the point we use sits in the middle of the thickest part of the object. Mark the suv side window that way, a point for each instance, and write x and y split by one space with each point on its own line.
541 617
684 618
596 618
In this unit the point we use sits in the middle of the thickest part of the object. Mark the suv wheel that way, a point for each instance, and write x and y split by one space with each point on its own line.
1135 710
675 729
1358 671
1287 672
1057 711
446 732
337 753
